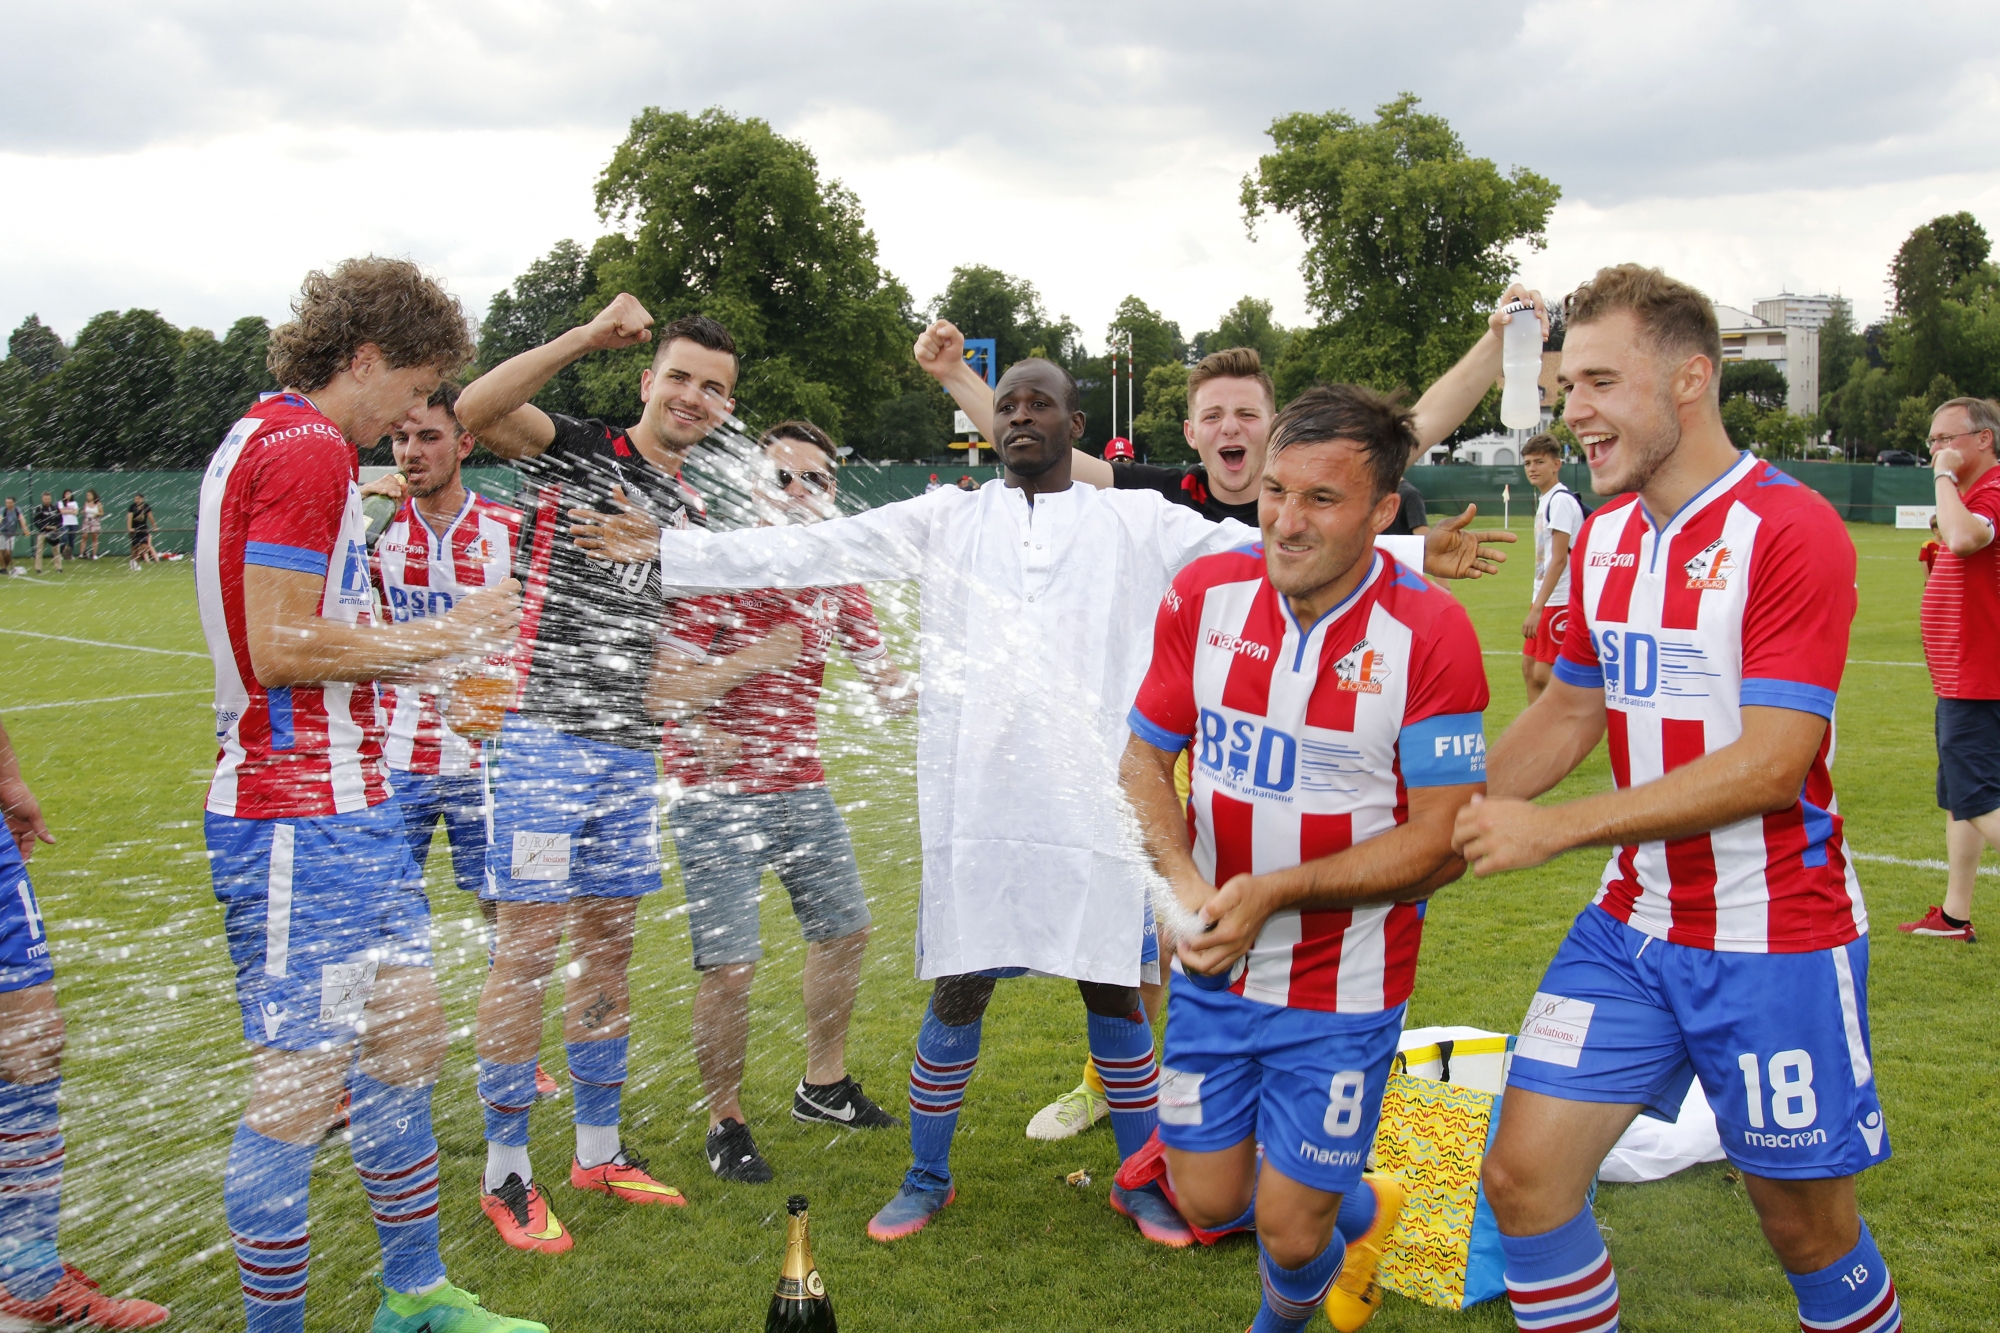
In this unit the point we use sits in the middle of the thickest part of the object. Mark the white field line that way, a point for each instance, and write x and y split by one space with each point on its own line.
89 703
99 643
1914 865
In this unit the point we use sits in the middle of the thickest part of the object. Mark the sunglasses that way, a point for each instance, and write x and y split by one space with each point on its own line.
813 481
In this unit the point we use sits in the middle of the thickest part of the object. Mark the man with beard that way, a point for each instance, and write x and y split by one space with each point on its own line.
1710 606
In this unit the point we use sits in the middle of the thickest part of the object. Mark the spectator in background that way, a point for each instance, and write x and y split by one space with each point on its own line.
12 526
93 524
933 484
1412 520
967 483
139 528
1961 627
48 530
1558 518
70 513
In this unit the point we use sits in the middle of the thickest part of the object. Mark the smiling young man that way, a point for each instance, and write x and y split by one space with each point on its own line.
1710 607
1333 701
574 841
324 908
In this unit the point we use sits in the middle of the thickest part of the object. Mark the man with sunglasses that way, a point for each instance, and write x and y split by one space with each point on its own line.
737 684
574 840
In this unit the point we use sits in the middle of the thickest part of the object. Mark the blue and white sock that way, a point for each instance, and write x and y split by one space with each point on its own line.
264 1197
506 1091
396 1156
31 1163
1293 1295
597 1069
1562 1277
1122 1050
946 1059
1357 1212
1853 1294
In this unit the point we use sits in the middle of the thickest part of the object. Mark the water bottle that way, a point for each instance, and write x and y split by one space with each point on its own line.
1521 368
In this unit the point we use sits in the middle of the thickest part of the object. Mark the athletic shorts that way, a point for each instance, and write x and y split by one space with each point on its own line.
1968 750
1305 1083
1779 1041
24 939
1549 631
572 818
312 909
726 843
459 799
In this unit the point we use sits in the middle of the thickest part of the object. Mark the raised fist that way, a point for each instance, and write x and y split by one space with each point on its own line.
621 324
940 348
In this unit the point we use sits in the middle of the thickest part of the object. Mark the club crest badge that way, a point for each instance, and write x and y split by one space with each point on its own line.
1363 670
1712 568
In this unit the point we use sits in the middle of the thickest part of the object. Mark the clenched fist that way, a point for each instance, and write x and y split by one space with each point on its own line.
623 323
940 348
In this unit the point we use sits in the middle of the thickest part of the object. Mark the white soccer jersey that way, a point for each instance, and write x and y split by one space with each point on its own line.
1558 511
1745 598
421 573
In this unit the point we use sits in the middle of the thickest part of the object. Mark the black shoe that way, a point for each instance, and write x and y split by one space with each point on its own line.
733 1155
843 1104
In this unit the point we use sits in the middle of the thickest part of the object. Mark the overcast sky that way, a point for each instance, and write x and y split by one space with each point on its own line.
198 158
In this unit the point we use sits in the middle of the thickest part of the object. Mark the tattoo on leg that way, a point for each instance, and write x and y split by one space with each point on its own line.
599 1010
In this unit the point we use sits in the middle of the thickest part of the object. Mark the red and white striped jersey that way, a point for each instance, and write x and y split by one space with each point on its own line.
280 493
1305 741
423 573
1745 598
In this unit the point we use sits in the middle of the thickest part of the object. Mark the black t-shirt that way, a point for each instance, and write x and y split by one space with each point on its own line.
1411 516
1182 485
590 625
140 516
48 518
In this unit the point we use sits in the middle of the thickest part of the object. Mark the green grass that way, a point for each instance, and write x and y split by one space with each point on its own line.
155 1071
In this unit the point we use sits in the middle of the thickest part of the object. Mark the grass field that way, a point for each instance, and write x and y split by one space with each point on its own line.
118 744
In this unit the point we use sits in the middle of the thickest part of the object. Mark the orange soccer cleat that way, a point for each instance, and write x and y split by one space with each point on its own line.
624 1177
520 1213
77 1302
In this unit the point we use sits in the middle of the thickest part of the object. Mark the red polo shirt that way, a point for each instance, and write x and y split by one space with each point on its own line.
1961 608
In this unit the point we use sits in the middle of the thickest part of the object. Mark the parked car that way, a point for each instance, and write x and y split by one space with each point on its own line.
1896 458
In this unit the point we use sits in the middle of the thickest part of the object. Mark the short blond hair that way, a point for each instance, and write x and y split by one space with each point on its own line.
1675 317
1231 363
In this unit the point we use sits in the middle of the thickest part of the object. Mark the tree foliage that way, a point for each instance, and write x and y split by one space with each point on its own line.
1248 323
1759 381
1407 239
551 296
1157 429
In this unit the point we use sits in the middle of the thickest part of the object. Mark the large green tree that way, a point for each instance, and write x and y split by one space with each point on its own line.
1248 323
551 296
724 217
1154 343
1409 240
112 400
987 303
216 383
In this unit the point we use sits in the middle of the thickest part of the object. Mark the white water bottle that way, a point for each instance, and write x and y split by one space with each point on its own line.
1521 368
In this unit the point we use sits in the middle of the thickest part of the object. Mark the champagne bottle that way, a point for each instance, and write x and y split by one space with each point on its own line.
800 1303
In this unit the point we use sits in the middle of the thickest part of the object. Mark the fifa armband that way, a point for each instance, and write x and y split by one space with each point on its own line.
1447 750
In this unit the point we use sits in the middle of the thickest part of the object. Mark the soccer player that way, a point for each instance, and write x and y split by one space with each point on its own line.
37 1289
1710 606
323 906
738 683
1333 699
1558 518
575 840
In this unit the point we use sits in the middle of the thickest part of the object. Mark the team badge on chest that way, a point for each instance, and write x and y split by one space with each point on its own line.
1363 670
1712 568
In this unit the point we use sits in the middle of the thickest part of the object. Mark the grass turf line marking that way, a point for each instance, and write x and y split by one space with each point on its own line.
99 643
87 703
1914 865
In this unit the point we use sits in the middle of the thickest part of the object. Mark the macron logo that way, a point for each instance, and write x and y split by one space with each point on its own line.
1612 560
1232 643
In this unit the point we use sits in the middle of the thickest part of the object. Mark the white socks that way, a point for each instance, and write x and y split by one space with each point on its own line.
595 1145
502 1162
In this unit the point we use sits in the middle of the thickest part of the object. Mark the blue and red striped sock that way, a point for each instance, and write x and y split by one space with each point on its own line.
1122 1050
1852 1295
396 1156
1292 1295
31 1163
946 1059
1562 1278
264 1197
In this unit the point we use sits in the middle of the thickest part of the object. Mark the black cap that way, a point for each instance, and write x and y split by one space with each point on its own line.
796 1204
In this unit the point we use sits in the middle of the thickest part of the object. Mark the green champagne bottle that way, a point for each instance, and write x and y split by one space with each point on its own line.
800 1303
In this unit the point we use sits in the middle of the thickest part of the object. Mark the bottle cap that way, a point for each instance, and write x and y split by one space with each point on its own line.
796 1204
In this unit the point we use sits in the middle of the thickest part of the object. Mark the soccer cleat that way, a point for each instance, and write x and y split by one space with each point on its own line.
545 1087
1158 1220
445 1309
76 1302
521 1215
843 1104
1357 1293
1069 1115
1934 925
909 1212
733 1155
624 1177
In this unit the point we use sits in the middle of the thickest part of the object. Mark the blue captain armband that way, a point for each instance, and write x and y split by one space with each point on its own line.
1448 750
298 559
1792 694
1583 677
1154 734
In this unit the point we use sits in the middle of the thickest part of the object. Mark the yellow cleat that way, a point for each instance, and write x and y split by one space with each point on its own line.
1356 1294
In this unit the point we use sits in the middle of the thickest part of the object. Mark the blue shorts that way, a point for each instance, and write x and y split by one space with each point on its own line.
1779 1041
572 818
1968 751
24 940
312 908
460 801
1305 1083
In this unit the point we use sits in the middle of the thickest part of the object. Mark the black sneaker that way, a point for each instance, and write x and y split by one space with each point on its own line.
733 1155
843 1104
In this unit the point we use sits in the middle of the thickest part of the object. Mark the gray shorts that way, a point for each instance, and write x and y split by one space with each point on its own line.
727 842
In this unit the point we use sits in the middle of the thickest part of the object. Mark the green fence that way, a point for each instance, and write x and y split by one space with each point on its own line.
174 496
1862 493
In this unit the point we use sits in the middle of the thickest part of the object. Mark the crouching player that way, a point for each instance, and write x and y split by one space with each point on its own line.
37 1289
324 906
1708 627
1333 701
